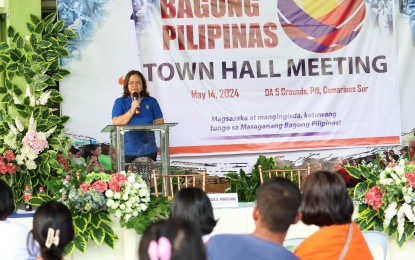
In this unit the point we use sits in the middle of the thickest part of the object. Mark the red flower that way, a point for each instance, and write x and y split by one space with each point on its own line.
100 186
410 179
373 197
3 168
116 182
9 155
85 186
10 168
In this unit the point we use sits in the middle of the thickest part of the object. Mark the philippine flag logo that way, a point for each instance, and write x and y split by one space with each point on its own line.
321 25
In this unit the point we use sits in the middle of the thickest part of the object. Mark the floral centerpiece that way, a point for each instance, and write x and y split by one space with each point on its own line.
96 199
386 198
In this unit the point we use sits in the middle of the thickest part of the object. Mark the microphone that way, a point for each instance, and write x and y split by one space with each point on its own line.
135 97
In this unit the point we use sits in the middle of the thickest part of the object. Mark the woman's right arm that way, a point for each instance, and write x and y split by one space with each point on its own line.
123 119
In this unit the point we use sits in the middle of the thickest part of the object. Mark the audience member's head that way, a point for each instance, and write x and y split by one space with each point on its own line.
277 203
175 239
75 152
6 200
91 150
325 200
105 148
193 204
52 229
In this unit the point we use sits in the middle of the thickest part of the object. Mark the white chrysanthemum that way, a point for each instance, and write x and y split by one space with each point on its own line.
399 170
390 212
109 203
127 217
19 125
20 159
43 99
143 207
109 193
118 213
131 178
16 100
117 195
10 140
136 186
115 205
125 197
25 149
128 204
142 193
134 213
122 207
30 165
31 155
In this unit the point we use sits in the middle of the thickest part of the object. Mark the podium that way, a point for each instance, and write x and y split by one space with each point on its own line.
117 142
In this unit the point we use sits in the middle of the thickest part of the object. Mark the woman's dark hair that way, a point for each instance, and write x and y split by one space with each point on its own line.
143 93
56 216
87 150
194 205
185 239
325 200
6 200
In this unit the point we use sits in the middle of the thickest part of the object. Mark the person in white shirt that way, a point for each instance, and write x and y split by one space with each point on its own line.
13 236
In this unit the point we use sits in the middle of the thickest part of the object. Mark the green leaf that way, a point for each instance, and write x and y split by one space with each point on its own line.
58 26
45 44
37 58
10 32
109 240
39 86
63 51
3 46
15 55
30 27
3 90
108 229
50 18
39 200
43 67
80 224
98 235
360 189
69 33
20 42
23 113
54 141
29 72
35 19
33 39
39 27
80 243
51 56
353 171
62 39
5 58
69 248
56 96
64 72
2 66
57 76
12 66
48 28
95 220
17 91
6 98
104 217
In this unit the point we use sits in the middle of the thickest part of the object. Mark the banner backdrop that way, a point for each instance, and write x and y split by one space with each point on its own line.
245 76
251 76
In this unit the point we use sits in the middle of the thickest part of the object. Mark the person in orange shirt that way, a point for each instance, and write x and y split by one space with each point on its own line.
326 204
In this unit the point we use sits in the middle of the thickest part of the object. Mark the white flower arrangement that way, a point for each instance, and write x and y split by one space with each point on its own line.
128 195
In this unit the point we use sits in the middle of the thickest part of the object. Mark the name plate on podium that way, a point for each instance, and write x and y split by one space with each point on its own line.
223 200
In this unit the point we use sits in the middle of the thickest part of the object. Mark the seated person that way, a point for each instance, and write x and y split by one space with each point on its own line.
194 205
52 229
104 158
327 205
13 236
175 239
278 200
90 154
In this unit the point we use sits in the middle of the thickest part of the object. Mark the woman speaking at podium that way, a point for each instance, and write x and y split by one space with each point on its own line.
136 107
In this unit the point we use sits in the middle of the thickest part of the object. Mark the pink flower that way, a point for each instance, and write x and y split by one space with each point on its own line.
410 179
10 168
373 197
85 186
9 155
3 168
391 165
116 182
100 186
63 196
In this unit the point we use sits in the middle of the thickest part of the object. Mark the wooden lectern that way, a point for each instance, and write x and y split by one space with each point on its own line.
117 142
